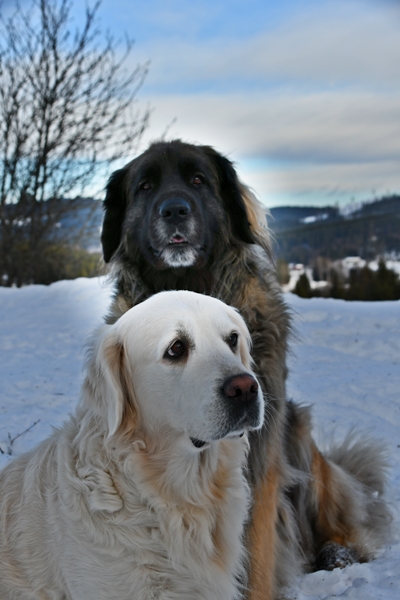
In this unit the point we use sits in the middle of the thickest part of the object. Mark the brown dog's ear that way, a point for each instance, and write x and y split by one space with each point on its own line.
257 217
114 213
231 194
248 220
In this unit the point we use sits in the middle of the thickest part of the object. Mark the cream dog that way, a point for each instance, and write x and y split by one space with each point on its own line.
141 495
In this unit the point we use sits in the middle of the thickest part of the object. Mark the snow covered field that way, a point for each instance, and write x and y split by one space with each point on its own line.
345 361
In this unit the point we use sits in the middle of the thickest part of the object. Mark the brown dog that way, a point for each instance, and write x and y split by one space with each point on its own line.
177 217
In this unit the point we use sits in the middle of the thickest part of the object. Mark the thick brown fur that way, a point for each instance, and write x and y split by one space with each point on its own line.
303 501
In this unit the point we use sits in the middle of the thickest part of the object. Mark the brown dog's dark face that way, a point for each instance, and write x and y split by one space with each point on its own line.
171 205
172 216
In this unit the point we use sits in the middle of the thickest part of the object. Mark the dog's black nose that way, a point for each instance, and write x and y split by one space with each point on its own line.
243 388
174 210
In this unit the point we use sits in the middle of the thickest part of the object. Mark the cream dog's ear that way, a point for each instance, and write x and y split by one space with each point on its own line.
111 382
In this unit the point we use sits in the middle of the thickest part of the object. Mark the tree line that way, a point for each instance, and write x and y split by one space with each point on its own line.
362 284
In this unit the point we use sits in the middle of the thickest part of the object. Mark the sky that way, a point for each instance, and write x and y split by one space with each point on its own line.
303 95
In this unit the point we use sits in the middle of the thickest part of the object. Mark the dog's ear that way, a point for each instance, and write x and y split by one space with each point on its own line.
114 213
248 219
110 381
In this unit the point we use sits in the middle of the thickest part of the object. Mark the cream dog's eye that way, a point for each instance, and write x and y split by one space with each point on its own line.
233 340
177 349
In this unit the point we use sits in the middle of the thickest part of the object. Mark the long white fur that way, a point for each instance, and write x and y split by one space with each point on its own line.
119 504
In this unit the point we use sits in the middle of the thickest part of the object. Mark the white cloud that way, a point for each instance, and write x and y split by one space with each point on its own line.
352 42
342 142
329 183
315 103
319 127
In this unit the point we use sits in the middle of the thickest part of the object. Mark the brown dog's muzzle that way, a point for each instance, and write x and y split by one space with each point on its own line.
174 210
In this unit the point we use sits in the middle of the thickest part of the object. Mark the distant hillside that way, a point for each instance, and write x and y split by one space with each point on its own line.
286 218
84 223
303 233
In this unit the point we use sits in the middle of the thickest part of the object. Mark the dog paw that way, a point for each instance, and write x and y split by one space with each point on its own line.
333 555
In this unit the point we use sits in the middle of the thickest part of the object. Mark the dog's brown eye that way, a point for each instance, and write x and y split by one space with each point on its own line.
176 350
198 179
144 185
233 339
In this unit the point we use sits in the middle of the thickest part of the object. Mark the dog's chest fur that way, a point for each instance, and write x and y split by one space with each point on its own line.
174 531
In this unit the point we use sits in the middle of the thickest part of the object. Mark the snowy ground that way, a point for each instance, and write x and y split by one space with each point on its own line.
345 361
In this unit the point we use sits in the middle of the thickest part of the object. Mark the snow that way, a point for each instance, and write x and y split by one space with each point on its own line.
345 361
43 330
314 218
392 265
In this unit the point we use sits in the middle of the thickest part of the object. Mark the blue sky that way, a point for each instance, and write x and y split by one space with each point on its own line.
303 95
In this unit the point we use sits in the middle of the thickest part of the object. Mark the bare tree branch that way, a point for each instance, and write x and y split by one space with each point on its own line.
67 111
11 440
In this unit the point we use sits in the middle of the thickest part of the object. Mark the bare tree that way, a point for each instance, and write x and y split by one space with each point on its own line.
67 110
